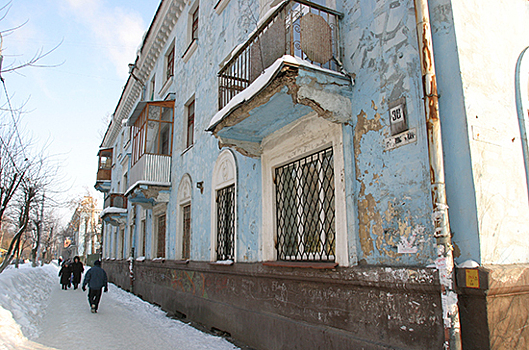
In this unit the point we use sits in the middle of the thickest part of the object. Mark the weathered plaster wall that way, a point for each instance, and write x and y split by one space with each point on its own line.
392 187
218 35
489 37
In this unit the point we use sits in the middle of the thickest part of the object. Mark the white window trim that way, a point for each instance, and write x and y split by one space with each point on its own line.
191 44
185 190
224 175
297 140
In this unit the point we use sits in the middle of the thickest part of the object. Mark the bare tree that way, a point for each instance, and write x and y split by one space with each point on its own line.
23 174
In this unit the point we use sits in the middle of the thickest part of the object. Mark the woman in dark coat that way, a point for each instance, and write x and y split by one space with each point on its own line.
77 270
65 273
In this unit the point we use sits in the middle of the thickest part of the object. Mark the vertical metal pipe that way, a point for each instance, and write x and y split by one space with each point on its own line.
445 259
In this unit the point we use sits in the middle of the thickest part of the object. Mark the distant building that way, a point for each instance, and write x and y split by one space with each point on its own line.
83 237
306 175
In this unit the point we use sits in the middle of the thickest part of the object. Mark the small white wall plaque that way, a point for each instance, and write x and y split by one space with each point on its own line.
401 139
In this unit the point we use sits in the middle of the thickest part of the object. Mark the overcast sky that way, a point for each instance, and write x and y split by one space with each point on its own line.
67 105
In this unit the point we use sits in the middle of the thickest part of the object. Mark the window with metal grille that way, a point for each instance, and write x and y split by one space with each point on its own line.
190 122
186 236
225 223
305 209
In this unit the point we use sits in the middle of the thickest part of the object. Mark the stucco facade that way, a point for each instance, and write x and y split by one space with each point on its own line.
201 219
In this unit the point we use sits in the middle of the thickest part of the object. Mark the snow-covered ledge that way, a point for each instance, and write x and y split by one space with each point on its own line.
286 91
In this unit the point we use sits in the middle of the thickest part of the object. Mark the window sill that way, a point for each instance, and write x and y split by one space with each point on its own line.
222 263
187 149
302 264
190 50
181 262
220 6
165 86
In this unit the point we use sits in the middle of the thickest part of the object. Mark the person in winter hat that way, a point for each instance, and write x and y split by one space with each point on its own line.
96 278
77 270
64 274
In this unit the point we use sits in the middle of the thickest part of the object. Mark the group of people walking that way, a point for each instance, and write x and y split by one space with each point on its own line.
71 272
96 279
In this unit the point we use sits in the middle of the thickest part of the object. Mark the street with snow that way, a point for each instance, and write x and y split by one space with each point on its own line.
35 313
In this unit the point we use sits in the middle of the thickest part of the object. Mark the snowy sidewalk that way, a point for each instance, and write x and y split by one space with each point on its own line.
123 321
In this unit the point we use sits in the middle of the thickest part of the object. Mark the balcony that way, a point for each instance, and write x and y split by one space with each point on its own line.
104 171
289 67
149 175
115 200
115 209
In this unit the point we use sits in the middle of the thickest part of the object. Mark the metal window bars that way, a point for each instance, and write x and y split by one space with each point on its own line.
298 28
226 223
305 214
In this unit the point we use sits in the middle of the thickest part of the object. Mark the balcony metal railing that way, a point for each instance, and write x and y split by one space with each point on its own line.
152 168
116 200
297 28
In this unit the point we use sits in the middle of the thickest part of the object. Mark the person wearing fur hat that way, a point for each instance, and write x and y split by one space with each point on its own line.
96 278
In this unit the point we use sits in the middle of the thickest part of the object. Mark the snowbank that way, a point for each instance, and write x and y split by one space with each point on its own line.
24 295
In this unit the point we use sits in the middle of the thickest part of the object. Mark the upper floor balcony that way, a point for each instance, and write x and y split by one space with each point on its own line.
104 170
115 209
152 131
289 67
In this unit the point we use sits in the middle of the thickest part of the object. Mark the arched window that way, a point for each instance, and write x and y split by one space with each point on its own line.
224 208
183 235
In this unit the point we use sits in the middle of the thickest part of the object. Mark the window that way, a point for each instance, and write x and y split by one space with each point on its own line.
225 223
121 243
194 24
169 69
305 208
161 236
183 236
224 208
153 130
143 236
190 122
192 31
131 241
186 232
153 87
304 202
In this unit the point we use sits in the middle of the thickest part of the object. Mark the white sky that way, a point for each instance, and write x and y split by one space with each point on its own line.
67 105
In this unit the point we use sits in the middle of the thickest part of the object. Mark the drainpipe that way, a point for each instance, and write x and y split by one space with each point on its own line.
445 259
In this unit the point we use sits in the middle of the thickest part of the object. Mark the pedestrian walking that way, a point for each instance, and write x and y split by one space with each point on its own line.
96 278
77 271
65 273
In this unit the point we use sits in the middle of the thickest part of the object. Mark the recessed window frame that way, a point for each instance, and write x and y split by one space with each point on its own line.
184 199
285 146
193 28
169 62
224 176
159 239
190 112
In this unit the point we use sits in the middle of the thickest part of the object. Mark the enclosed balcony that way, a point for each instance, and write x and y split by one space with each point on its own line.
115 209
152 135
104 170
290 66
